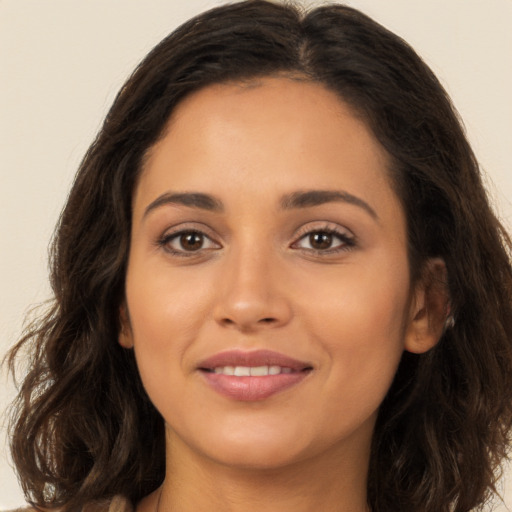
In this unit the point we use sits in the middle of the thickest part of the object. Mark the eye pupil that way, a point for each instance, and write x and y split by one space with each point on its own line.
320 240
191 241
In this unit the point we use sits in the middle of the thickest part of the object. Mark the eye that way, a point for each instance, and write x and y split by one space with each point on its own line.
320 240
325 241
187 242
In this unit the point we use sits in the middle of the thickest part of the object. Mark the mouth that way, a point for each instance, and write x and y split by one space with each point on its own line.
252 371
251 376
267 362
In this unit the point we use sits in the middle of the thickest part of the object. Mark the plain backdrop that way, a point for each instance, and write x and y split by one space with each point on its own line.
62 62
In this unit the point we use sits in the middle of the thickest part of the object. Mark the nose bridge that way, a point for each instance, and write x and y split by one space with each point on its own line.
251 295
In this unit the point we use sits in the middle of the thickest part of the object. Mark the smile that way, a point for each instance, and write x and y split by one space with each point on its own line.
251 371
254 375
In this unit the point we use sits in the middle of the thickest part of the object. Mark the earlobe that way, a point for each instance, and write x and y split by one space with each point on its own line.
125 337
430 308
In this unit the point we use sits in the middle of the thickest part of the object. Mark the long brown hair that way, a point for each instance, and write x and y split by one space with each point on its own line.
83 427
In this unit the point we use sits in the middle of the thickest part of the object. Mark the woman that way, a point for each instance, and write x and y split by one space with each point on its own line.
278 285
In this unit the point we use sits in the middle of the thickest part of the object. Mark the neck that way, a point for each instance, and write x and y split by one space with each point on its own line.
332 482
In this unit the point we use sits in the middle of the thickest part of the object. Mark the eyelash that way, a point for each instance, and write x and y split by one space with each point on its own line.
348 241
165 241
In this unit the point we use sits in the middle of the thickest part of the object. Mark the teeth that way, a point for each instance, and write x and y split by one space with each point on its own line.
242 371
226 370
259 371
253 371
274 370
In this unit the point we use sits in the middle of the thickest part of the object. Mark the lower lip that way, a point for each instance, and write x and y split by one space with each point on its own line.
252 388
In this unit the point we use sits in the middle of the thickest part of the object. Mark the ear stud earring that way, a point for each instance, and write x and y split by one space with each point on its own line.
449 322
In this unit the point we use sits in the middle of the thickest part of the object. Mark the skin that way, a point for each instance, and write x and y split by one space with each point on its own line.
257 282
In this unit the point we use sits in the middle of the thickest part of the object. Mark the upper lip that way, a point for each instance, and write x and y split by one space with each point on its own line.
252 358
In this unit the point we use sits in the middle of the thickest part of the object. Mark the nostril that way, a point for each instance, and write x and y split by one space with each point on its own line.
267 320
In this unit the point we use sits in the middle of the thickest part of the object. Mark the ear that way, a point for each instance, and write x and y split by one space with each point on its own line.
430 308
125 338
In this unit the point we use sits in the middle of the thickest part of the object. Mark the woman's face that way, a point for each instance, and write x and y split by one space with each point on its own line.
267 297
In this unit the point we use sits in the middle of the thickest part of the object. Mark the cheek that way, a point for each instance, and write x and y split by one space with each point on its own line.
359 317
165 305
370 302
362 335
166 313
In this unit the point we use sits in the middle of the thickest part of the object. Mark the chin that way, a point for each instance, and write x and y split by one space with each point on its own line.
259 457
261 447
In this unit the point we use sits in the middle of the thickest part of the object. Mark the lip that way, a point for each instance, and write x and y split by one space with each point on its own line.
252 358
252 388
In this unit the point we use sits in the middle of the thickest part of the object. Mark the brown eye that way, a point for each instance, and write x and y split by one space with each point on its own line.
320 240
191 241
325 241
187 242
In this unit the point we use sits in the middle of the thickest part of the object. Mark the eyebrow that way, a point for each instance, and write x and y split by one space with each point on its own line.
190 199
308 198
301 199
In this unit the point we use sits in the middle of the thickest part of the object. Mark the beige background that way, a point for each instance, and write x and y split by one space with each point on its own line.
62 61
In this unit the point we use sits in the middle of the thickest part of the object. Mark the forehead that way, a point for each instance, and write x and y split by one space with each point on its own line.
283 103
272 130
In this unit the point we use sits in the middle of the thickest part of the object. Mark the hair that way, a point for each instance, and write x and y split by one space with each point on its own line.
83 427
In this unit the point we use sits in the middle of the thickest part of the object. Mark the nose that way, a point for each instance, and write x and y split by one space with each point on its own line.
251 297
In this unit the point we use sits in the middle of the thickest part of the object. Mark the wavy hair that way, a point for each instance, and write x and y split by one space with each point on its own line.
83 427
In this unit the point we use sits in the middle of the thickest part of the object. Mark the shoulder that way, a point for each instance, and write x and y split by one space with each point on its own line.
21 509
116 504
